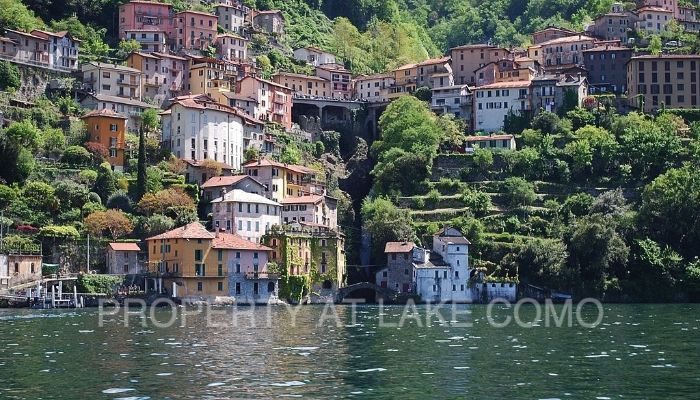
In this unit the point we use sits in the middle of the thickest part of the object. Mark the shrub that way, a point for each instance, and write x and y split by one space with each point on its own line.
518 192
99 284
76 155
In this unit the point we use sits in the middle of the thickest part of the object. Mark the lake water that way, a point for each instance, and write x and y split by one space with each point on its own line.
638 351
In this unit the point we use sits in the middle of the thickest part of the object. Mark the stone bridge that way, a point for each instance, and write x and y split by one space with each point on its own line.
336 113
387 295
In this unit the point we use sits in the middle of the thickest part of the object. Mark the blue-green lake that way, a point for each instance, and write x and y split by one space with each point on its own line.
636 352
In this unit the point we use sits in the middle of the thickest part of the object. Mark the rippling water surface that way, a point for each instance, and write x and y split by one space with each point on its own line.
638 351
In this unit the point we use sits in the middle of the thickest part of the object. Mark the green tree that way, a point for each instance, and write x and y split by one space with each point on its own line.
518 192
141 174
423 93
54 142
127 47
385 222
23 135
40 196
105 184
15 15
669 213
580 117
290 155
9 75
655 45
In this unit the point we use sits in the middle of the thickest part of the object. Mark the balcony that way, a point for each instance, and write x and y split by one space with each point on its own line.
261 275
128 82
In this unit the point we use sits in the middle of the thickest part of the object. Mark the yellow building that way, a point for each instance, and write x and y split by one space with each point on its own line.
194 263
285 180
213 77
304 85
405 81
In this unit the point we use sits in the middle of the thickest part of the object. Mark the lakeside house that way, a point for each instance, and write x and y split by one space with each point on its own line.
123 259
195 264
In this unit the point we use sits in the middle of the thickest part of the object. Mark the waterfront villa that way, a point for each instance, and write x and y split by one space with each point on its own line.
123 259
195 264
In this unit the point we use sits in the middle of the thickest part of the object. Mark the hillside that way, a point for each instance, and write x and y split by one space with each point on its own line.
592 202
368 35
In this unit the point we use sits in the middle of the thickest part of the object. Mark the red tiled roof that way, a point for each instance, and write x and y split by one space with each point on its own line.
478 46
492 137
567 39
653 8
498 85
266 162
398 247
194 230
232 241
104 112
310 199
434 61
198 163
124 247
219 181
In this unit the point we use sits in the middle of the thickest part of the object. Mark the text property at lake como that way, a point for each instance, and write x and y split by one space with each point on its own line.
637 351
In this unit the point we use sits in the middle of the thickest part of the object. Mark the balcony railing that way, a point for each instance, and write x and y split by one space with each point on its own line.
261 275
128 82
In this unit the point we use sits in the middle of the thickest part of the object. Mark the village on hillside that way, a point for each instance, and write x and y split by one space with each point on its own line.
246 207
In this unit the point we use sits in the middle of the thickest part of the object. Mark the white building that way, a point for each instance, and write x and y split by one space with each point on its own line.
113 80
311 209
151 40
373 88
443 274
232 15
314 56
492 103
653 19
196 127
246 214
456 100
232 47
63 49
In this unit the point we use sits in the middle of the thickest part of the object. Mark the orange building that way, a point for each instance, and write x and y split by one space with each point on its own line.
107 128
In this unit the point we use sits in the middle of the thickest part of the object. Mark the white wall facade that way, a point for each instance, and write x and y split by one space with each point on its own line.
491 105
198 134
249 219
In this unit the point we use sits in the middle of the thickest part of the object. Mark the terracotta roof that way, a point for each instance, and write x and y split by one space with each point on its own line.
121 100
485 137
375 76
266 81
142 54
434 61
266 162
105 112
556 28
194 230
166 55
25 34
198 13
567 39
198 163
498 85
653 8
124 247
240 196
234 242
406 66
478 46
204 102
310 199
233 35
314 49
112 66
302 76
666 56
398 247
219 181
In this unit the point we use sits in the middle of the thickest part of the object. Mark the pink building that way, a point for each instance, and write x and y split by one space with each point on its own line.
146 15
195 30
274 100
164 74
